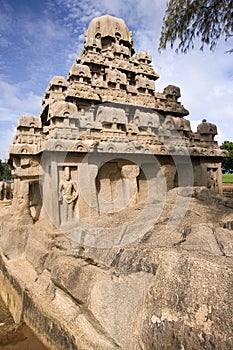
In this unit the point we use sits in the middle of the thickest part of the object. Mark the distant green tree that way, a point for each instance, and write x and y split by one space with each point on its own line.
228 162
185 20
5 171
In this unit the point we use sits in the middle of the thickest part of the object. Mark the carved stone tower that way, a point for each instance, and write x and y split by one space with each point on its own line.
101 129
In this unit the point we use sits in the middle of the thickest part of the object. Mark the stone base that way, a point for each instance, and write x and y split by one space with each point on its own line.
166 290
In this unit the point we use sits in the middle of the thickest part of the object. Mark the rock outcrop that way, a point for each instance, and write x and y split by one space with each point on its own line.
168 289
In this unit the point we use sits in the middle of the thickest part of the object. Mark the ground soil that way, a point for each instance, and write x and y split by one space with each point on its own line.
13 337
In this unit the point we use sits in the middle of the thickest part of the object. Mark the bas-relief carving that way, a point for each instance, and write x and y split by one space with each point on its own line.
108 187
212 179
5 190
35 200
68 195
21 202
130 174
117 186
169 171
132 118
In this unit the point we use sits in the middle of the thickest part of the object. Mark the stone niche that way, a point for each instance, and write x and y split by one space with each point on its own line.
105 139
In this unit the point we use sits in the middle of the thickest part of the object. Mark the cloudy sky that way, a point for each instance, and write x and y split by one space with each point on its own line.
41 38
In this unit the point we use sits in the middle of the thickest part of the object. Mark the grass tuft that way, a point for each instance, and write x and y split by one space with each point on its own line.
227 178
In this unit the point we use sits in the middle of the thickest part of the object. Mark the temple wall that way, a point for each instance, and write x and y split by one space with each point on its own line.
208 173
105 183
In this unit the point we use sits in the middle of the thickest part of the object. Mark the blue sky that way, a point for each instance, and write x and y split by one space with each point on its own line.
41 38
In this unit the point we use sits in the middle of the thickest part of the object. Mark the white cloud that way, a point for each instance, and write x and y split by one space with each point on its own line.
207 90
14 102
45 32
6 137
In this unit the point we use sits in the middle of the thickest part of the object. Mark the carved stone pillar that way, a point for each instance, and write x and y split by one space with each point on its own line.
23 212
88 203
129 174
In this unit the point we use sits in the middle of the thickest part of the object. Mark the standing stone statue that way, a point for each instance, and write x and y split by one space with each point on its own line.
1 190
129 174
4 190
212 181
68 194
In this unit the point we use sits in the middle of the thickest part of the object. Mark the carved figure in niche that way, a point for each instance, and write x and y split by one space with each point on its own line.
23 203
129 174
68 194
35 201
107 186
212 182
5 192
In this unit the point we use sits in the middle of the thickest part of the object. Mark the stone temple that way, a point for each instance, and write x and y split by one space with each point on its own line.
118 236
108 116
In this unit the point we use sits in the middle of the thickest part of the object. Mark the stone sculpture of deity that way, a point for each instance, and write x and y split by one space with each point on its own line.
212 181
129 174
68 194
4 190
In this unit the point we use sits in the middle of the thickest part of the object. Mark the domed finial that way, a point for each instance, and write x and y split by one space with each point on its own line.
107 30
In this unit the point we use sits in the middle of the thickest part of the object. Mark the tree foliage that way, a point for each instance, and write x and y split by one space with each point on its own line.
228 162
185 20
5 171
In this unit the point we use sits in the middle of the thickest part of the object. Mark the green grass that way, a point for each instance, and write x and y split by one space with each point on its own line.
227 178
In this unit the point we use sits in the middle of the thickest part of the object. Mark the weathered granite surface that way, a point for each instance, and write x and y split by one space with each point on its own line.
162 291
16 337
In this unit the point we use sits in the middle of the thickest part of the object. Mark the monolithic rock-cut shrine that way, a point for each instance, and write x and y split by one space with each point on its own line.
118 236
107 105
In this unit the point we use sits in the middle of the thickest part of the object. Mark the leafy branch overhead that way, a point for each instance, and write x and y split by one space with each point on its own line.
186 20
5 171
